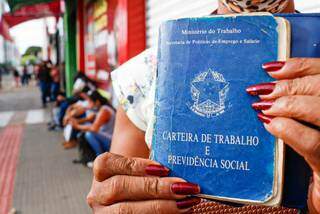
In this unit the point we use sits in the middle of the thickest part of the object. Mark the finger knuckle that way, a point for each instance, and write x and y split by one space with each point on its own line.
98 167
124 208
111 192
289 87
157 207
90 199
129 164
152 186
280 128
288 105
303 64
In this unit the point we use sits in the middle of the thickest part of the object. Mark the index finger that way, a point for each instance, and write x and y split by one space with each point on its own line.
108 165
293 68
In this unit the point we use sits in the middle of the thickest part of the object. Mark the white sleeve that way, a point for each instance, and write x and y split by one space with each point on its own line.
132 84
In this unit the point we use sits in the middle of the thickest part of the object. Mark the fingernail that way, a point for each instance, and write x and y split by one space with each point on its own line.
262 105
273 66
261 89
264 118
188 203
182 188
157 170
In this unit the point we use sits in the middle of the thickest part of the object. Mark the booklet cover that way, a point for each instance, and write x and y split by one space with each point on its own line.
205 130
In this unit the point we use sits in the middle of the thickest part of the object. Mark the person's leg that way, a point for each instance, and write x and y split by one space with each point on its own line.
47 90
17 79
27 79
94 142
105 141
42 86
63 108
54 91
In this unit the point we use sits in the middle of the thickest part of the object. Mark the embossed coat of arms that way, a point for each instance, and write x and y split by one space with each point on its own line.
209 91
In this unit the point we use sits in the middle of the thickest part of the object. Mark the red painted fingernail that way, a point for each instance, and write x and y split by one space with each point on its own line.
262 105
264 118
261 89
157 170
273 66
183 188
188 203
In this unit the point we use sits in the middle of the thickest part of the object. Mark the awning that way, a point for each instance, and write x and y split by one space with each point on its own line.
17 4
31 12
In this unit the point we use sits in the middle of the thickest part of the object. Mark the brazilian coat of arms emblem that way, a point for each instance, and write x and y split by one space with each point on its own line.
209 91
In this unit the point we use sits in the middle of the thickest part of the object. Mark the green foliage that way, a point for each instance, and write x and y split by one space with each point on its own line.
33 50
28 59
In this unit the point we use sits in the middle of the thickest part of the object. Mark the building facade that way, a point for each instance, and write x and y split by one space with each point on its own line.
110 32
9 54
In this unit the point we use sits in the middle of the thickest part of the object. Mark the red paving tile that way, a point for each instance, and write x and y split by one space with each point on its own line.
10 141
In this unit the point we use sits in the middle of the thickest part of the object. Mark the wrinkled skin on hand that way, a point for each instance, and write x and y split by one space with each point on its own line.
296 103
121 185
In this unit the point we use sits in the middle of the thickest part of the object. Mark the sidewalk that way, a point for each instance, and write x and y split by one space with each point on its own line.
36 175
47 181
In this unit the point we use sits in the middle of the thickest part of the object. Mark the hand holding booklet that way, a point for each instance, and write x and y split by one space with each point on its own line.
205 130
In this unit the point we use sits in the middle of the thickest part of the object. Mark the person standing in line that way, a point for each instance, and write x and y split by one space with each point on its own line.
25 78
30 71
16 77
55 85
44 83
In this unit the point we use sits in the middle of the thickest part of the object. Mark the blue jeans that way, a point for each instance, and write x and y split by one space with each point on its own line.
45 91
55 87
98 142
62 112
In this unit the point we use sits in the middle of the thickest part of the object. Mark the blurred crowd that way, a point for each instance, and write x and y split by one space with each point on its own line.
86 118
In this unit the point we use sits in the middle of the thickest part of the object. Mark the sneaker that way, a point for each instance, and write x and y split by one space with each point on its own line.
90 165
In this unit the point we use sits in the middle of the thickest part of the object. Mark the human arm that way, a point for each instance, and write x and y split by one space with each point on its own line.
101 118
73 111
90 118
132 139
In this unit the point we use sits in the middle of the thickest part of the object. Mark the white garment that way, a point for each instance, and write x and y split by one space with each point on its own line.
134 85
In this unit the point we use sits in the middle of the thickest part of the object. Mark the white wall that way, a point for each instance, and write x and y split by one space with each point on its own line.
160 10
308 6
1 49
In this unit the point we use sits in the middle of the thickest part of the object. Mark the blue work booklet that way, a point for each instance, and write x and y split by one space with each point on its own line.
205 130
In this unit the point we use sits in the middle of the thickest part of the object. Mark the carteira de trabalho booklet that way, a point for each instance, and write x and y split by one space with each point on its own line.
205 130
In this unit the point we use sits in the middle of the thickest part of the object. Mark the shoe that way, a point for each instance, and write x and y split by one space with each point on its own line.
51 127
70 144
90 165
